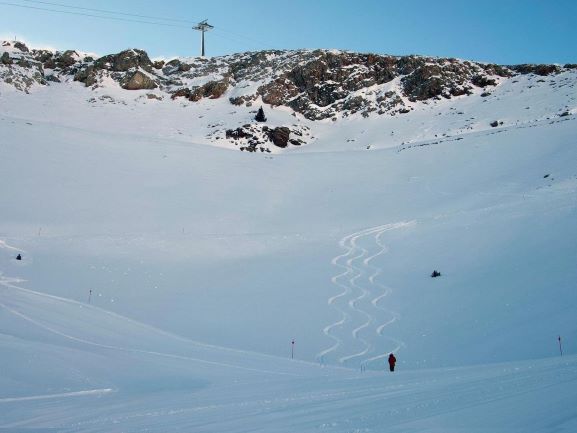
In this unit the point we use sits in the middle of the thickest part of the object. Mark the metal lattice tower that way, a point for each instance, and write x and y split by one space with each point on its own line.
203 26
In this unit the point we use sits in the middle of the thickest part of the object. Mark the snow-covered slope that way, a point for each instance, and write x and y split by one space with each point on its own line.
87 370
163 280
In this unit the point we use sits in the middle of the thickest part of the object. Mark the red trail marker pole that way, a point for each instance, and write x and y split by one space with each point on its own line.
560 346
292 349
89 295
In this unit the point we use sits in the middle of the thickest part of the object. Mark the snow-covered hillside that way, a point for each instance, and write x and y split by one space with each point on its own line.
164 276
310 96
71 367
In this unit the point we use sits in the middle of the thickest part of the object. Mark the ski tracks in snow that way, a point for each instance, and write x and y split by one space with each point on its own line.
90 392
358 284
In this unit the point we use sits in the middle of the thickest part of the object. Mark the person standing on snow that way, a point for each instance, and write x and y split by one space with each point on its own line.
392 361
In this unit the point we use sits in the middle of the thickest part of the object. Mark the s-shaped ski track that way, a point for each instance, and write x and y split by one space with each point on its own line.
353 272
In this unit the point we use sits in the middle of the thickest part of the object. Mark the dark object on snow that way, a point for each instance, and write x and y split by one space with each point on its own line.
392 361
260 117
5 59
435 274
18 257
279 136
546 176
495 124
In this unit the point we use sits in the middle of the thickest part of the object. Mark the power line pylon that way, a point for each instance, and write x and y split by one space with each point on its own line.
203 26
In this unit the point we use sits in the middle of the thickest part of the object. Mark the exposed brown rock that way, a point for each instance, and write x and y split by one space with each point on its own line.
279 136
21 46
483 81
212 90
138 81
5 59
542 70
124 61
66 59
181 93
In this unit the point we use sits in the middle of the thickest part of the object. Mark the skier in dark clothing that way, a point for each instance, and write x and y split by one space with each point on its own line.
18 257
392 361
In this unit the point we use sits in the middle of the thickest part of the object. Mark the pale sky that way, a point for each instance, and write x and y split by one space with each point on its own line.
504 31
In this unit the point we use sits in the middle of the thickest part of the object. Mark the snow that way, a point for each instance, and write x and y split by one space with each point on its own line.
205 263
127 376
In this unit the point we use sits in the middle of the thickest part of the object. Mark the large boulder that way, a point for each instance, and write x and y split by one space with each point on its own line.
21 46
132 59
138 81
215 89
5 59
279 136
67 59
125 61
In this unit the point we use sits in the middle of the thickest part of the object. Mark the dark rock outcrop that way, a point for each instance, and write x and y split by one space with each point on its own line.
24 63
212 90
483 81
542 70
138 81
279 136
53 78
181 93
237 133
175 66
257 136
21 46
125 61
87 76
5 59
318 84
323 84
492 69
42 56
247 100
66 59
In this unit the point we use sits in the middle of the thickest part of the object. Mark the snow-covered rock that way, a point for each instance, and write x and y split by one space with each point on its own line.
313 85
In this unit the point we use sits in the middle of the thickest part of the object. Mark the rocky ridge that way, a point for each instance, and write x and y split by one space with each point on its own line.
318 85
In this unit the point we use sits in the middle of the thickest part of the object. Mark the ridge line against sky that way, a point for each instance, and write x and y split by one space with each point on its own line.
505 31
